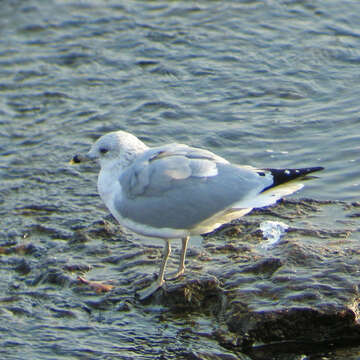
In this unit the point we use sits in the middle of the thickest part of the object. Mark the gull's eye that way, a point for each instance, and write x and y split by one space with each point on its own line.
103 150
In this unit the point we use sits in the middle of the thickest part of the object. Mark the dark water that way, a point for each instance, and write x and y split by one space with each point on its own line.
266 83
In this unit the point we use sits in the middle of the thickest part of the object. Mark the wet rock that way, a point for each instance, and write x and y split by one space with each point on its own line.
301 324
79 237
123 306
304 290
56 277
264 267
77 268
23 267
201 355
108 229
193 294
300 295
51 276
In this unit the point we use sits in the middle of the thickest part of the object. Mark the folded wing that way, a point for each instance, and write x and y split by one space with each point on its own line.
179 187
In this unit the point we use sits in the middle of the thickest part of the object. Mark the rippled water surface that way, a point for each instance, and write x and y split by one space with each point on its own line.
266 83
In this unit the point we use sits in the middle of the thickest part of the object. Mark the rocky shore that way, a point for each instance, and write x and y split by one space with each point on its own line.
299 296
302 296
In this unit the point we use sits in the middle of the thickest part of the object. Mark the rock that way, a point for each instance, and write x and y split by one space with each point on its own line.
298 296
193 294
201 355
23 267
77 267
325 323
303 292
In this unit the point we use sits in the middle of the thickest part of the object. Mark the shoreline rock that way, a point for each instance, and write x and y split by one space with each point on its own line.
302 294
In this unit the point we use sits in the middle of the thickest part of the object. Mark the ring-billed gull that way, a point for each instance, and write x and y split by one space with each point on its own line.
175 191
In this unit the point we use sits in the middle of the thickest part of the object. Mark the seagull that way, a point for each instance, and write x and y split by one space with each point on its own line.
175 191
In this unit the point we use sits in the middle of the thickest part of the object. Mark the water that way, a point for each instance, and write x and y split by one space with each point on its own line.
266 83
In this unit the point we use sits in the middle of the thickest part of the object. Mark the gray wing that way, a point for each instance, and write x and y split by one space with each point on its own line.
178 187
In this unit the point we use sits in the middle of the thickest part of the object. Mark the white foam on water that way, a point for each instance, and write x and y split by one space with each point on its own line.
272 232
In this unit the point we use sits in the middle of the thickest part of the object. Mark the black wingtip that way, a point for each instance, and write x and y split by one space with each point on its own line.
281 176
314 169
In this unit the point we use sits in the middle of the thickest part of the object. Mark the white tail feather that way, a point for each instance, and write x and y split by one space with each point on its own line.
270 196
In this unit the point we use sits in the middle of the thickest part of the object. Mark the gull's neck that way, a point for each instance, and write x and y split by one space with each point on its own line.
108 185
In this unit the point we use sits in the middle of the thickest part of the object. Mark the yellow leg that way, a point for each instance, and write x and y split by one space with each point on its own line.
144 293
181 268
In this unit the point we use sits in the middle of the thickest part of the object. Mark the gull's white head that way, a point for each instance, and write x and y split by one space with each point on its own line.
118 146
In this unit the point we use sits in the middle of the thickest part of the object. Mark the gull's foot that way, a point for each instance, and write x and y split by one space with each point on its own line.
148 291
174 275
